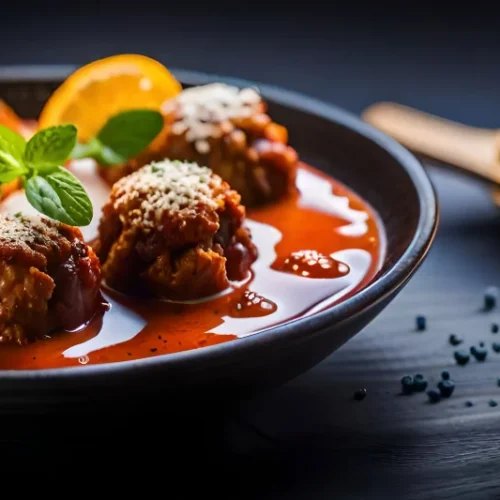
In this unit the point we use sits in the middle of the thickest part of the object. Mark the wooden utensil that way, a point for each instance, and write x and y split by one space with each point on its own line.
475 151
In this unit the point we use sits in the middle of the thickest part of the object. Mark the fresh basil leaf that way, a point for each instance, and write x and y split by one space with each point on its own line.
10 175
107 157
12 146
86 150
94 149
60 195
129 133
50 147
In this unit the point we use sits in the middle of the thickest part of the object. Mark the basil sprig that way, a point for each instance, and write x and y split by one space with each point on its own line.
49 187
124 136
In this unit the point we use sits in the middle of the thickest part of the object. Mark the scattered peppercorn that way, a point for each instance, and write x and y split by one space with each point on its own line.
462 357
407 384
490 298
481 344
359 394
479 353
419 383
494 328
492 403
421 323
455 339
496 347
445 375
159 337
446 388
434 396
498 382
154 349
469 404
129 353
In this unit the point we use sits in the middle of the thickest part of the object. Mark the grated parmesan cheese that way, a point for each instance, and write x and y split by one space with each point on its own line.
25 229
165 186
204 112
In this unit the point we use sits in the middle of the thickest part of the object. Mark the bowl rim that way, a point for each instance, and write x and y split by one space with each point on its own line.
368 297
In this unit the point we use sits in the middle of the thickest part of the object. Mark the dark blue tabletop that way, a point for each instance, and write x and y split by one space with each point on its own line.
309 439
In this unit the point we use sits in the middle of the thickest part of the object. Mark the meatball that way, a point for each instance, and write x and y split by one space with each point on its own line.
49 279
174 230
228 130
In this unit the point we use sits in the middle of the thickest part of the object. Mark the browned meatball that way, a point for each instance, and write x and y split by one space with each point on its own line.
228 130
49 278
174 230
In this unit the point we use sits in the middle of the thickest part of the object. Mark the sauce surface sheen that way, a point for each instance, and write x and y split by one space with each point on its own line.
316 248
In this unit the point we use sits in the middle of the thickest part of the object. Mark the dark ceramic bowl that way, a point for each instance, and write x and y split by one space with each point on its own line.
375 166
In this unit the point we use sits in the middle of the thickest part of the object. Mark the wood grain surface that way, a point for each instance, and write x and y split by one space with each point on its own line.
310 439
323 444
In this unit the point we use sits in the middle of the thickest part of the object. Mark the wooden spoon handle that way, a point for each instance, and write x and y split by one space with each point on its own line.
475 150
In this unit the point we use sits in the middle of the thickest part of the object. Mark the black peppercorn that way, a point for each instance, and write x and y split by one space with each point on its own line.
469 404
446 388
445 375
462 357
492 403
490 298
455 339
407 384
496 347
434 396
494 328
479 353
421 323
419 383
359 394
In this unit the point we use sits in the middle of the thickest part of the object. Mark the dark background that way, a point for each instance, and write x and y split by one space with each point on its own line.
440 56
309 440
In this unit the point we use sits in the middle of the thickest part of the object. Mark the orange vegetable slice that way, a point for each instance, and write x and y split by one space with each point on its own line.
105 87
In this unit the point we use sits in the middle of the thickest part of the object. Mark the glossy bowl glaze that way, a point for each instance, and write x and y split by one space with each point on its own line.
385 174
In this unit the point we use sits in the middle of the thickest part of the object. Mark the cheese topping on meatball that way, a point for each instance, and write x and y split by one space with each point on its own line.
200 111
174 230
22 229
49 278
165 187
29 236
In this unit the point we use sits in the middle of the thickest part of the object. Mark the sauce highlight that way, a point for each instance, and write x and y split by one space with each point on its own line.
316 248
312 264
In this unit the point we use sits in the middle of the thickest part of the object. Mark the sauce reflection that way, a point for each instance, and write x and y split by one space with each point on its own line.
326 231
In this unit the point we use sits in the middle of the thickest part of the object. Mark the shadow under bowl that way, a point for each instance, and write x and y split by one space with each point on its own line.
375 166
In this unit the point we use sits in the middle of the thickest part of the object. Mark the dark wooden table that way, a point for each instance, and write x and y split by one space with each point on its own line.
328 445
310 439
